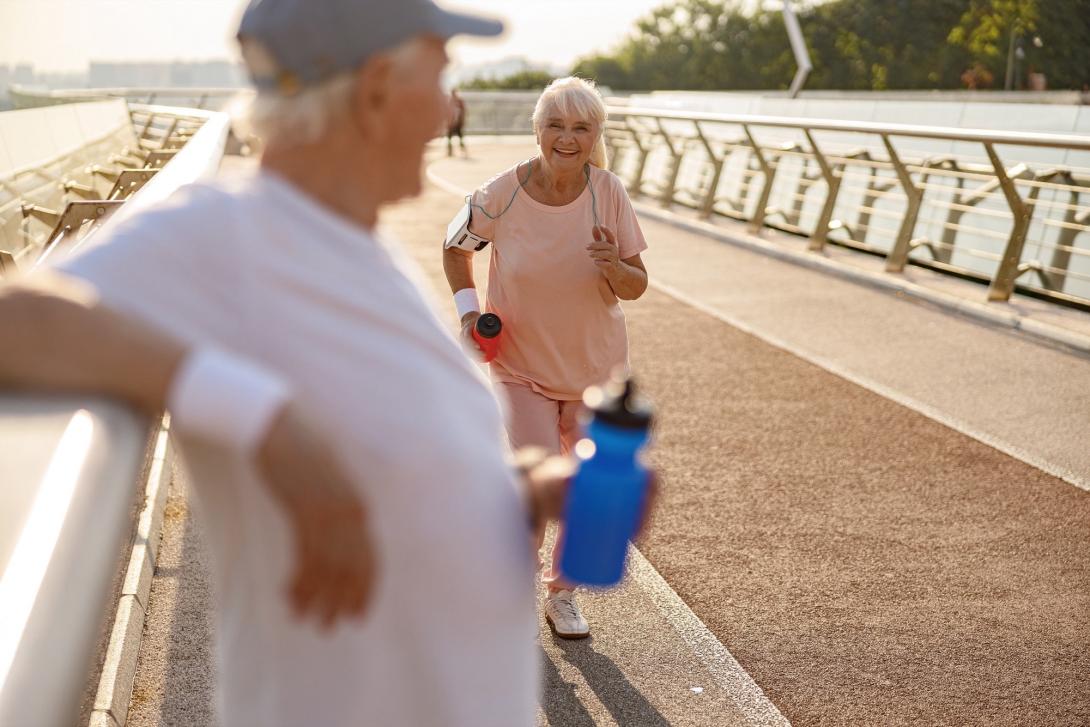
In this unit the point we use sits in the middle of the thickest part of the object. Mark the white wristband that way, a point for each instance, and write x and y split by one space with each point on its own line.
224 398
466 301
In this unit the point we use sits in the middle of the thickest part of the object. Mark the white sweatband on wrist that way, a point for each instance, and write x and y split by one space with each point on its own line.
225 399
466 302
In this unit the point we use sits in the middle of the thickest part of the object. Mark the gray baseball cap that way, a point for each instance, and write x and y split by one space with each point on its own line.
312 40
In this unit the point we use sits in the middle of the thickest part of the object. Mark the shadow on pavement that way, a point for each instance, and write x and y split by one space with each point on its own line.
624 701
559 701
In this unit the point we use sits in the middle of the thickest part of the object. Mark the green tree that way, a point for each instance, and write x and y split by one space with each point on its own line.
869 45
988 26
1055 36
854 44
1064 56
521 81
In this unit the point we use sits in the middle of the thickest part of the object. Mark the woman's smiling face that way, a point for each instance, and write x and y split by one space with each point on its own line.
566 141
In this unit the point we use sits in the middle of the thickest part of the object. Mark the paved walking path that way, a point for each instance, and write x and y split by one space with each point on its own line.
864 563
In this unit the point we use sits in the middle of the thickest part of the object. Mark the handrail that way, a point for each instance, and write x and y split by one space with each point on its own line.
815 187
23 96
69 467
1069 141
68 487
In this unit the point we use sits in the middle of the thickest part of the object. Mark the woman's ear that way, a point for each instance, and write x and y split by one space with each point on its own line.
371 96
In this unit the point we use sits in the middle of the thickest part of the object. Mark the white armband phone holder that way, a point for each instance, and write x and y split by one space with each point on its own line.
459 236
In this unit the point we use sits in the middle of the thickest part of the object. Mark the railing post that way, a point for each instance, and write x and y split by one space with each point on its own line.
637 181
668 187
758 220
898 255
1003 283
953 218
708 204
7 263
832 181
1061 255
144 132
793 215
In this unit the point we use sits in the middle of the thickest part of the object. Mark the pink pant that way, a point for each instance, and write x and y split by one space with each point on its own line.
535 420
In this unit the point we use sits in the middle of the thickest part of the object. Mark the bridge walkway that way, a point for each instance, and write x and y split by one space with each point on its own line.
831 515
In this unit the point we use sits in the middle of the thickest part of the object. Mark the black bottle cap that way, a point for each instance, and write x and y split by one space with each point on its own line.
617 403
489 326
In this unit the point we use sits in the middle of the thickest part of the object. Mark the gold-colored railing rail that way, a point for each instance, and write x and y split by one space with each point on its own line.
1017 222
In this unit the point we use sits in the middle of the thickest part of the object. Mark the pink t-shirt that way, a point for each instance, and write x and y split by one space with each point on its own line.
563 327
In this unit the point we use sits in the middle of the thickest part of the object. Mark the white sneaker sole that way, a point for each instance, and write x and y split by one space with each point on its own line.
565 635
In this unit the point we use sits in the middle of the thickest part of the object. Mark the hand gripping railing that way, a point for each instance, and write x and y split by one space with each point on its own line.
770 171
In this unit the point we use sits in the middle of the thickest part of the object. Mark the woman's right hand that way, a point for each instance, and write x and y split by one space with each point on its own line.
335 566
469 320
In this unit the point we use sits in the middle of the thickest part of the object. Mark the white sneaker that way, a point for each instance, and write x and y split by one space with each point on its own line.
564 617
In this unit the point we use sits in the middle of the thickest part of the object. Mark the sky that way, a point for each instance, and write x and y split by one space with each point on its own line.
62 35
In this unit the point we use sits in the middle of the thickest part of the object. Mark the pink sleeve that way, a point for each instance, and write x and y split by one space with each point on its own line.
630 240
479 223
490 198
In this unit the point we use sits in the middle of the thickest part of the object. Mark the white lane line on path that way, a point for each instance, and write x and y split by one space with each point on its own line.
1063 473
882 390
717 660
720 663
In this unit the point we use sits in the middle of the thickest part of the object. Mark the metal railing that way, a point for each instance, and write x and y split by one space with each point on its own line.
68 468
938 197
212 99
499 112
86 195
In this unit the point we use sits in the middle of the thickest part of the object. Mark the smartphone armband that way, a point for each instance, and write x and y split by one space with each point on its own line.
458 234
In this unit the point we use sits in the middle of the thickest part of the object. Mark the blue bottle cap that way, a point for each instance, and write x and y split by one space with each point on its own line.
617 403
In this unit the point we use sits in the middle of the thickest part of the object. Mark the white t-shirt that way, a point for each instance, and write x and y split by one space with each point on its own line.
257 268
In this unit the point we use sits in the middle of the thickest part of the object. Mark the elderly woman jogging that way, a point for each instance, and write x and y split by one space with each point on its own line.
565 247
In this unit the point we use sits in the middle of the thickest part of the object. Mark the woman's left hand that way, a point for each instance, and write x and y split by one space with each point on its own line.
603 250
546 479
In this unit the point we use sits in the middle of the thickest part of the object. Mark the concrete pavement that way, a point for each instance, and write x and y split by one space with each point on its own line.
864 563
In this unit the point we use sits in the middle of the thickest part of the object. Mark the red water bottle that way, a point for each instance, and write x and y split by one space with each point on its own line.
486 332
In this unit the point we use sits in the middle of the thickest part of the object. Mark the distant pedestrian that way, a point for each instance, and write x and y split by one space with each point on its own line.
457 121
566 247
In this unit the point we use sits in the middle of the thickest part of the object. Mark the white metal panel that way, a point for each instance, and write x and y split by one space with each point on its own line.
102 118
64 128
28 140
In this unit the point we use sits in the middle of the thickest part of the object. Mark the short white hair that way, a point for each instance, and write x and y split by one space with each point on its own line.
574 96
301 117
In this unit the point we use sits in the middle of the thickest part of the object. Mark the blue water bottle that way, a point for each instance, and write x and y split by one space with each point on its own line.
607 494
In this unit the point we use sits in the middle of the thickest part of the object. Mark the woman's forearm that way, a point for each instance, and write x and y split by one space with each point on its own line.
458 266
628 281
58 337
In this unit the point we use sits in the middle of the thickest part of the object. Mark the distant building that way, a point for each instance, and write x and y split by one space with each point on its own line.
102 74
23 73
184 74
